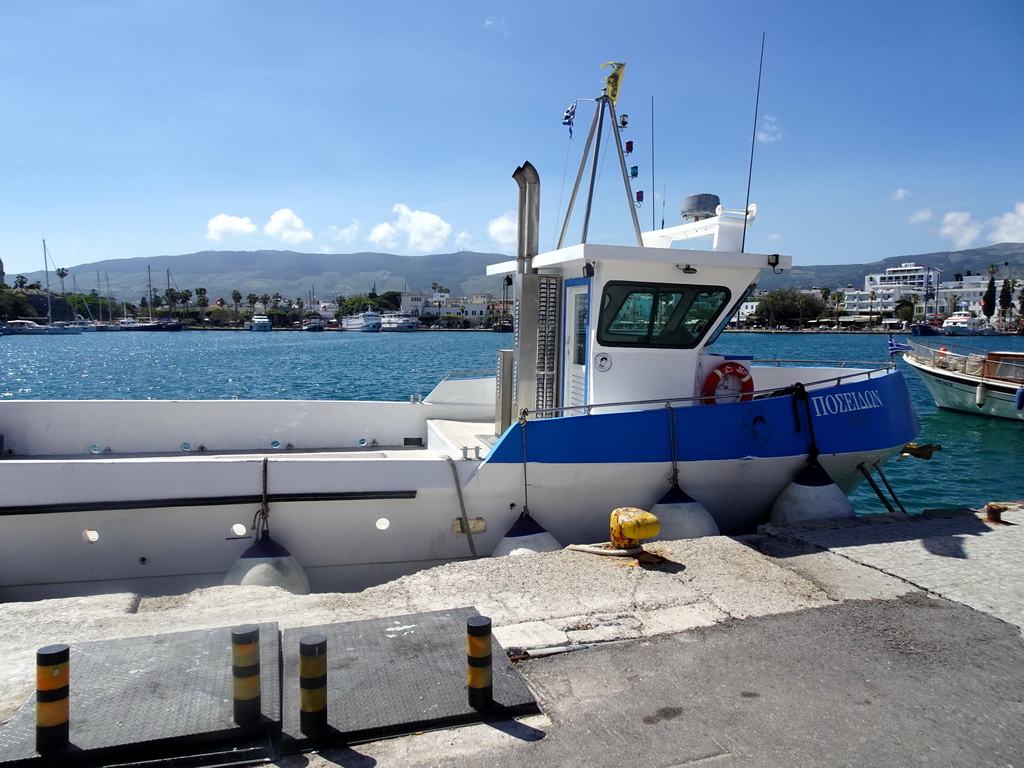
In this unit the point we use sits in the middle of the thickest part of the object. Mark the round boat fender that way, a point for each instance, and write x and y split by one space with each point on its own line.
738 371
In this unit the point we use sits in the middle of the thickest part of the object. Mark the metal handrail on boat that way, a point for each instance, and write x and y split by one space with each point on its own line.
756 394
452 374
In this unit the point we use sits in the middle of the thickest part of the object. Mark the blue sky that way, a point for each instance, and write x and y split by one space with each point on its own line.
136 128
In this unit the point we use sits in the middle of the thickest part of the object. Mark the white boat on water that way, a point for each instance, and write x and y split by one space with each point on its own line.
976 381
397 321
32 328
259 323
613 391
367 322
966 324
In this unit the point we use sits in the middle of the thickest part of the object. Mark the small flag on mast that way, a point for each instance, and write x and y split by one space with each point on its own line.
612 82
570 117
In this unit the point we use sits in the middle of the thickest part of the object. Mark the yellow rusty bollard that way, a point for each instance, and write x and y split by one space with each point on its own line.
53 711
313 684
245 672
479 677
629 525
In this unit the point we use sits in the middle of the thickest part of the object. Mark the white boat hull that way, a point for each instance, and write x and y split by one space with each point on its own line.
953 379
358 492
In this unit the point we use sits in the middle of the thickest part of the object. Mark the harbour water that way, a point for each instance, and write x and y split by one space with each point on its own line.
978 461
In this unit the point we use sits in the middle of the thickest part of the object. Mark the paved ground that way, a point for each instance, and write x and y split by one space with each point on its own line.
875 642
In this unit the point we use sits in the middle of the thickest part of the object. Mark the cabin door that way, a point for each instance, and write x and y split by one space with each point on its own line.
575 343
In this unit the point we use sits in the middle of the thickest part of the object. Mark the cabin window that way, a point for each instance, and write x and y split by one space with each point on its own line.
658 314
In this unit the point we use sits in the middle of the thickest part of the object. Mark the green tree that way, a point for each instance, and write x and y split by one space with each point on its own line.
202 301
236 300
184 298
788 306
988 301
20 281
251 300
61 273
1006 296
389 301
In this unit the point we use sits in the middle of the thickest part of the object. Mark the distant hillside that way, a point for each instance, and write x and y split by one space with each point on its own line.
295 275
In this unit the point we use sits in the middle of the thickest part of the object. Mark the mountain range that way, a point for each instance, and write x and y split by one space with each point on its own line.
298 275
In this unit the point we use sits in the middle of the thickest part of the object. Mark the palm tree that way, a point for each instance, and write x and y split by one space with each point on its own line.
61 273
185 297
236 299
202 302
172 301
264 300
251 300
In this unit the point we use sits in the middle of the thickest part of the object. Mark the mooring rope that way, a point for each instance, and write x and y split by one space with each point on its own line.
462 506
522 428
674 480
261 520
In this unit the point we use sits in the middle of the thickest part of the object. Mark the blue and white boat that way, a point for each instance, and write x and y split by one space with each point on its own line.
259 323
613 393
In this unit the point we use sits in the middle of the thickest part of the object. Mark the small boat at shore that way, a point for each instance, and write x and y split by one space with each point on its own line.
975 381
613 395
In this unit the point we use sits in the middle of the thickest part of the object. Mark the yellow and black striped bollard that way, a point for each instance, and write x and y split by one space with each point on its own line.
313 684
245 673
53 711
478 662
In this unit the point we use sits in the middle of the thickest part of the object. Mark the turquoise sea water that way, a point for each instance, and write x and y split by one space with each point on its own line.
980 461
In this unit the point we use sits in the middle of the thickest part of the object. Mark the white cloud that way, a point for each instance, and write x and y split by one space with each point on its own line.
769 129
384 236
223 226
346 235
499 26
918 216
959 227
463 239
772 237
285 226
423 231
504 230
900 195
1008 228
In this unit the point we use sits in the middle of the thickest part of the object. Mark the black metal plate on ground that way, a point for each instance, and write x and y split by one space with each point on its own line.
144 697
387 677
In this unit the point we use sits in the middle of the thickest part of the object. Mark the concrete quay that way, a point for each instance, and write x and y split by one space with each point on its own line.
873 642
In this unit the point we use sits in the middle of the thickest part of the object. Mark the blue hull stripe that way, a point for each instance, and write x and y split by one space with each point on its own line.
862 416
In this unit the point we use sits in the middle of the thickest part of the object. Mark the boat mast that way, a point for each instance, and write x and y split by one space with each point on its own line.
46 274
149 290
605 104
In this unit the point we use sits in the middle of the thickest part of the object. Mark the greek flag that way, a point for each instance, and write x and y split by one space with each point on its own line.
570 116
895 347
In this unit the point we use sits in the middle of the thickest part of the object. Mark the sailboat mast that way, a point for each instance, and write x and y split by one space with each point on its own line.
149 289
46 273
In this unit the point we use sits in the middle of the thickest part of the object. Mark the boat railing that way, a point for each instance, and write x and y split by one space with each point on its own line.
470 374
669 402
982 363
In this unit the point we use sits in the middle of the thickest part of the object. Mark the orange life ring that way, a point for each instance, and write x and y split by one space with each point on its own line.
731 369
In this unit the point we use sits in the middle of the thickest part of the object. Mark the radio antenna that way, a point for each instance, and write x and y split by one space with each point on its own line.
753 141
